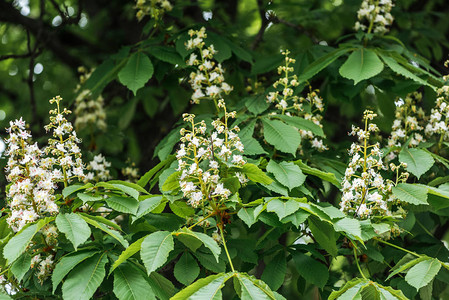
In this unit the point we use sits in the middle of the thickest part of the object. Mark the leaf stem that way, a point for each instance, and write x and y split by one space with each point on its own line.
225 247
357 263
397 247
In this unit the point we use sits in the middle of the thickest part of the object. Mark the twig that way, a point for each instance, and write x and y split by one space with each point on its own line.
263 26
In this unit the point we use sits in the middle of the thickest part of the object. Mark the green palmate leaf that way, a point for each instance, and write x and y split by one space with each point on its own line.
349 290
129 284
361 64
405 263
102 75
186 269
256 104
275 271
181 209
283 137
348 225
301 123
396 67
101 219
411 193
287 173
167 54
21 266
255 174
125 205
297 218
4 296
418 161
223 49
310 269
74 227
318 173
283 208
203 238
83 281
205 288
162 287
209 262
130 251
155 249
321 63
422 273
172 182
115 234
66 264
18 244
246 214
137 71
129 188
324 234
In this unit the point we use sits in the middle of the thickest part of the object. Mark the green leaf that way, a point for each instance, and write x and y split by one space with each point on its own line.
84 280
172 182
148 205
286 173
125 205
321 63
181 209
223 50
411 193
255 174
275 271
361 64
115 234
162 287
297 218
186 269
155 249
137 71
74 227
129 284
399 69
251 145
205 288
66 264
21 266
405 263
246 214
130 188
348 225
74 188
209 262
422 273
301 123
210 243
349 290
101 219
310 269
318 173
18 243
167 54
127 253
102 75
251 291
418 161
143 181
283 137
324 234
283 208
89 198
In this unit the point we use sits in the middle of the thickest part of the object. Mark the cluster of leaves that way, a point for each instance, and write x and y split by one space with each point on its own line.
279 235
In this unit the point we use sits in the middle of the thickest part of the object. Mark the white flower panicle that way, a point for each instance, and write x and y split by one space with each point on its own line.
64 144
439 116
208 81
309 107
200 156
31 193
374 16
131 172
98 169
365 192
153 8
407 124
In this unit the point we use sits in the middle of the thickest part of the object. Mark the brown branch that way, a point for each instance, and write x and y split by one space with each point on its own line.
30 76
298 27
263 26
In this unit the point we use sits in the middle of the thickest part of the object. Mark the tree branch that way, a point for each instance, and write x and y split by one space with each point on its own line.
263 26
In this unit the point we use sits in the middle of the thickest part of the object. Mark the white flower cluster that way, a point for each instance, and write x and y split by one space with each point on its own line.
208 81
310 107
31 193
365 192
154 8
407 123
200 156
131 172
439 115
64 145
98 169
44 261
374 16
283 96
